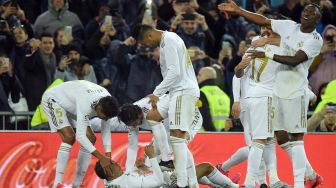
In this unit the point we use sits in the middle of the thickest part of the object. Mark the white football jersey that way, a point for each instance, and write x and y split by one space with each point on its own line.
261 75
138 179
79 98
291 82
176 67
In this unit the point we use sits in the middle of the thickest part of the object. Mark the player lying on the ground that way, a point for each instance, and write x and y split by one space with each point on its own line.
137 178
152 176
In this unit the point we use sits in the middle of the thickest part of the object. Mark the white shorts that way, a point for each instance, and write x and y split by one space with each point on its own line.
244 118
57 116
290 114
259 112
162 105
181 112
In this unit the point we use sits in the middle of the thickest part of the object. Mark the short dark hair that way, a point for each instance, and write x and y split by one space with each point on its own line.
109 105
139 31
100 171
46 35
129 112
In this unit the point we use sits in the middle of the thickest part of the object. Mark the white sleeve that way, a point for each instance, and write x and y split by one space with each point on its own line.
173 69
106 135
236 89
82 123
312 47
132 149
156 178
282 26
310 94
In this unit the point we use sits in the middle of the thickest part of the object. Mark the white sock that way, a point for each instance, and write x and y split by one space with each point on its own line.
61 162
83 161
310 173
254 160
288 148
261 174
239 156
192 177
180 151
269 156
160 137
299 163
218 178
205 181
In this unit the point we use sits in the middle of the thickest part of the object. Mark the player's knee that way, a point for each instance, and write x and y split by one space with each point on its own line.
154 115
282 137
69 139
178 133
207 167
296 137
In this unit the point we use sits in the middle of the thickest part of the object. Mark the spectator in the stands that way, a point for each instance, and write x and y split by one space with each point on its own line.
56 16
191 34
323 68
15 16
9 84
135 69
23 46
215 103
72 66
39 70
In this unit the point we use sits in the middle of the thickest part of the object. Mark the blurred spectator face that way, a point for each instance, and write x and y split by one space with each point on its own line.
60 37
250 34
330 121
264 31
74 55
58 4
104 11
330 35
47 45
189 26
20 35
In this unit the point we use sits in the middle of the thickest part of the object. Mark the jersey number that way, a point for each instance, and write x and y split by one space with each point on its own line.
260 71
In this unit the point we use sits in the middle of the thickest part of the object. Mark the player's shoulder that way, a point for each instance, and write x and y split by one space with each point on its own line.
316 36
169 38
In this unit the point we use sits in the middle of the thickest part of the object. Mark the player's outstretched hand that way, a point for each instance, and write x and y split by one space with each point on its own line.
149 150
229 7
106 164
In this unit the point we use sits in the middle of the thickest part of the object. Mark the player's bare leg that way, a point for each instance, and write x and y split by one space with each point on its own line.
83 159
206 172
67 135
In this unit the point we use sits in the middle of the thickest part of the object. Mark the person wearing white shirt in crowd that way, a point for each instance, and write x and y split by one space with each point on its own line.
79 100
180 81
300 43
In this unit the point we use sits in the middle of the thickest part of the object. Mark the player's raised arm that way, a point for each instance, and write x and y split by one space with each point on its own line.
231 8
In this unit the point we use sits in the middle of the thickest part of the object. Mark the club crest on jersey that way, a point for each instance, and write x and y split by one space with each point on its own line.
300 44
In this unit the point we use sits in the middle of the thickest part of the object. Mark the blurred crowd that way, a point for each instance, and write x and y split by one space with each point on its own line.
45 40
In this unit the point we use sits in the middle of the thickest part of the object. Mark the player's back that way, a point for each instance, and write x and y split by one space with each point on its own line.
186 78
79 93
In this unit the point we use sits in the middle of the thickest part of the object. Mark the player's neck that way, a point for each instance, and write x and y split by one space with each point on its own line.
307 29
